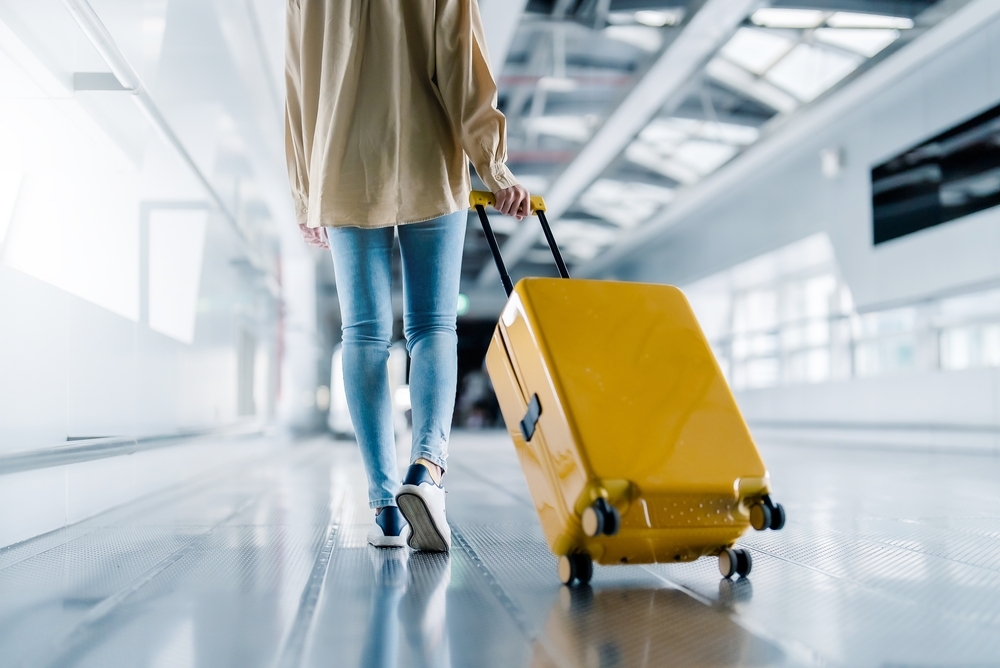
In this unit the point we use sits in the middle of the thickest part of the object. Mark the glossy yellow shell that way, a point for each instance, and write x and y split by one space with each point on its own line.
634 409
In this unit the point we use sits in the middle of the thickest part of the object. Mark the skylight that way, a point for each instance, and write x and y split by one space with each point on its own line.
571 128
658 18
865 41
773 17
756 50
852 20
685 149
582 240
624 204
641 36
809 71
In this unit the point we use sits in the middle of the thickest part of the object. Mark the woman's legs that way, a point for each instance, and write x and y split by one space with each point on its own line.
362 260
432 264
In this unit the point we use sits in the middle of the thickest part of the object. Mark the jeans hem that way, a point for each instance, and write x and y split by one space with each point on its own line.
382 503
434 459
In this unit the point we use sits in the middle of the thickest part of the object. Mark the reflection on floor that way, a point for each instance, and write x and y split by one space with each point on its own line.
887 559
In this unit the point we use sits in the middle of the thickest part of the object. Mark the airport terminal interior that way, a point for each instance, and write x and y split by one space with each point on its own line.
180 479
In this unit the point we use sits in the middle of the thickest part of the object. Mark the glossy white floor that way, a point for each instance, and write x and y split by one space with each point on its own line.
888 558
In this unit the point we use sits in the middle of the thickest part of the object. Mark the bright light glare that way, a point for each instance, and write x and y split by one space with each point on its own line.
10 185
756 50
645 155
852 20
686 149
583 240
771 17
704 156
866 41
668 133
808 71
642 37
571 128
622 203
176 249
75 224
657 18
463 304
401 398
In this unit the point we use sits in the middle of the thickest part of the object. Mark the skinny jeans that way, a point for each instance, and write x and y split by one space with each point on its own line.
432 261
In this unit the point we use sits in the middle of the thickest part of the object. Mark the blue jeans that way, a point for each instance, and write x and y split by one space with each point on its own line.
432 263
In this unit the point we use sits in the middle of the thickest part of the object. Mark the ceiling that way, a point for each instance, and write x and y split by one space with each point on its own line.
616 107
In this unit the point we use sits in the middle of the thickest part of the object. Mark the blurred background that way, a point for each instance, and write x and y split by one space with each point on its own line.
820 176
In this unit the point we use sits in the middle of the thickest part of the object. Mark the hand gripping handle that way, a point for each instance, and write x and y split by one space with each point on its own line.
480 199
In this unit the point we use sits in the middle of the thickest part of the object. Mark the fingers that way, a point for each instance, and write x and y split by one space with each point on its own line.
314 236
514 201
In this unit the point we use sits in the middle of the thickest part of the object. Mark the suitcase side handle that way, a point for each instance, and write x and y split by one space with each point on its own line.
479 200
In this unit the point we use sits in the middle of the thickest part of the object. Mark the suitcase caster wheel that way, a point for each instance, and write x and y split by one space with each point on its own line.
767 515
778 518
760 517
575 568
600 518
735 561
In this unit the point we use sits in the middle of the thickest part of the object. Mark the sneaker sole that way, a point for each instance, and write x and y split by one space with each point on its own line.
389 541
424 534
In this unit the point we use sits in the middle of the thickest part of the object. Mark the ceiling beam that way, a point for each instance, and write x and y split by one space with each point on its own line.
701 37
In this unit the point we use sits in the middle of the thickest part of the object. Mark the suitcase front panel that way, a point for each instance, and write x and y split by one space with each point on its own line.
640 386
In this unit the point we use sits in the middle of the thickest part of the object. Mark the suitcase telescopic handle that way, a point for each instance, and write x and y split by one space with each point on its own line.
480 199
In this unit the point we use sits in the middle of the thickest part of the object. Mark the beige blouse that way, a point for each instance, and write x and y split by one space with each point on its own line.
387 101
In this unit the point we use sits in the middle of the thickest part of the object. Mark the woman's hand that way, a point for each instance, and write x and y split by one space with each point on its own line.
514 201
314 236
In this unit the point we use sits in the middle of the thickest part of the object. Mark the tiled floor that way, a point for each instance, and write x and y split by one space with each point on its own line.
888 559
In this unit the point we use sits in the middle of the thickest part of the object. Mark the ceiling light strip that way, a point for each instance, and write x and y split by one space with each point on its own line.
704 34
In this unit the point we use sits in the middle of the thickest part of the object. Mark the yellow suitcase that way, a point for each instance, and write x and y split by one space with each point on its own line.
630 439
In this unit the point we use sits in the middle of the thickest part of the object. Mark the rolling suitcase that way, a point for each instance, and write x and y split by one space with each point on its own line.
630 439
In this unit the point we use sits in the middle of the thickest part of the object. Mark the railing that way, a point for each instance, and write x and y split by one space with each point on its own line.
844 346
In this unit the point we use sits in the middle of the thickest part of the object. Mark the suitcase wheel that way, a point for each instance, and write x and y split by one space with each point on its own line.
575 568
760 517
735 561
600 518
767 515
778 518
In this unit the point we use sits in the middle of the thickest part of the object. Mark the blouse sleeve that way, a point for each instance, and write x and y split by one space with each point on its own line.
469 92
295 140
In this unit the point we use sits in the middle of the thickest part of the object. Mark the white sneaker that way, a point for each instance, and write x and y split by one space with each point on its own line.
389 529
421 501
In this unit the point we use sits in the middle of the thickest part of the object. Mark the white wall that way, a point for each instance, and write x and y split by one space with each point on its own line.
135 299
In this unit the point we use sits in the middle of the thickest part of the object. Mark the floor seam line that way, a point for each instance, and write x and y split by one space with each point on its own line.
507 603
291 654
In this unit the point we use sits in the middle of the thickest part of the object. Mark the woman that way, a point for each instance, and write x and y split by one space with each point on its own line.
387 102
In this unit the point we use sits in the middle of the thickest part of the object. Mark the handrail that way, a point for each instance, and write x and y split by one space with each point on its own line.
74 452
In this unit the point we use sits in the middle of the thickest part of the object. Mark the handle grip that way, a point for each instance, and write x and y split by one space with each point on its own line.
479 200
486 198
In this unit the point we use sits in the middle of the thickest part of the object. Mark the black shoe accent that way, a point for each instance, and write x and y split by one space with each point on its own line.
391 521
418 474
